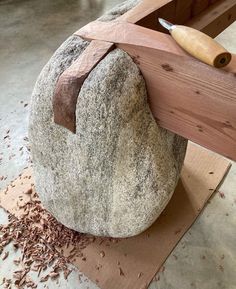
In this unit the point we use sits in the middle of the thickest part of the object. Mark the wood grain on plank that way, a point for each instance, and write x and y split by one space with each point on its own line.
215 18
143 9
190 98
199 6
71 80
183 11
231 67
186 96
212 1
209 16
180 75
128 33
167 12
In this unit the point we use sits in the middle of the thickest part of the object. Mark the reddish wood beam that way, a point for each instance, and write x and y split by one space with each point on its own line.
212 19
151 21
183 11
143 9
190 98
215 18
198 6
128 33
186 96
71 80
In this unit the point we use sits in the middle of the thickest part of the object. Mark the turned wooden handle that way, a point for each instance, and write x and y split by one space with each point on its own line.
200 46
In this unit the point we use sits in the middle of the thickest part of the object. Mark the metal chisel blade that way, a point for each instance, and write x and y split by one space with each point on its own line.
166 24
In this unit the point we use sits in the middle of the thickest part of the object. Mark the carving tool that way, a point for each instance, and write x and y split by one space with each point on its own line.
198 44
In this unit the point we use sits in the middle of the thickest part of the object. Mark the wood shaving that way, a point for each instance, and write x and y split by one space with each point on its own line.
17 261
140 274
29 191
222 195
67 273
121 272
7 283
42 240
221 268
178 231
5 255
44 279
163 269
54 275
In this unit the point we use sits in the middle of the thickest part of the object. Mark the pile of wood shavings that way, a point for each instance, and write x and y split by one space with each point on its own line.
42 241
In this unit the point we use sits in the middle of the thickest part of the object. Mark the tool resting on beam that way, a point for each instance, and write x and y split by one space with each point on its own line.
186 96
198 44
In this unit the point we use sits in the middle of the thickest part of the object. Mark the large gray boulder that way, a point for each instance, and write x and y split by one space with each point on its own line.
117 173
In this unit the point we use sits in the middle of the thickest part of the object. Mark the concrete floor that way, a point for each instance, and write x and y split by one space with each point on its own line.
30 31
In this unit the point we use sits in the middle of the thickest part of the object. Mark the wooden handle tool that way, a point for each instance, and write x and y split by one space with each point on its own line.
198 44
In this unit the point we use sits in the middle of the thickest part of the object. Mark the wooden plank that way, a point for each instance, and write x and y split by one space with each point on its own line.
212 1
145 8
151 21
190 98
231 67
183 11
212 20
186 96
199 6
149 49
71 80
215 18
128 33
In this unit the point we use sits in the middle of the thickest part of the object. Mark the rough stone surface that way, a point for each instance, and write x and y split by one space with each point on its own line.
117 173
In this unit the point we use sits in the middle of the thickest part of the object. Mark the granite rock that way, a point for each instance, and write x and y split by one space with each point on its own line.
117 173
